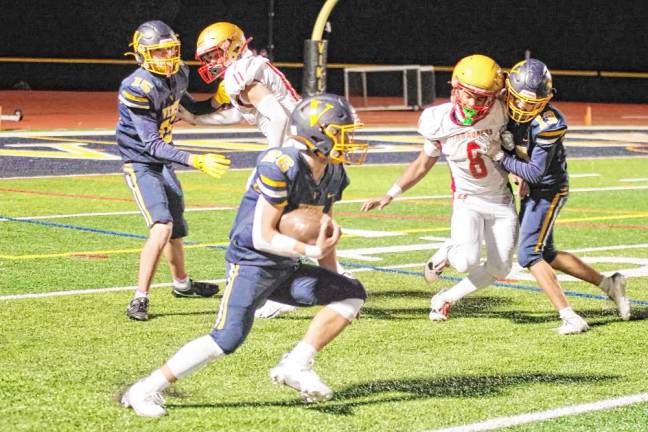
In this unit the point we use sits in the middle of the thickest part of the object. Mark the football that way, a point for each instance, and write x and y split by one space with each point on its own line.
303 224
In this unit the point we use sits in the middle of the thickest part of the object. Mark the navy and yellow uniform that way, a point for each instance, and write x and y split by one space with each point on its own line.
541 161
284 179
148 103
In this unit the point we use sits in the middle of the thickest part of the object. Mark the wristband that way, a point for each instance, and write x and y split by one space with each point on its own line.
394 191
312 251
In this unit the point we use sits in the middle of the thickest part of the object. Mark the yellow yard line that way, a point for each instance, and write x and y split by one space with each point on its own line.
96 252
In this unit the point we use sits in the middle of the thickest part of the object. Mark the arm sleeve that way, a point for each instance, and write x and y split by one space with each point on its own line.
149 133
534 170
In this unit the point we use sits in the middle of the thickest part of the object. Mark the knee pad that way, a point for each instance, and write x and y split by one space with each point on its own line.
348 308
463 258
228 340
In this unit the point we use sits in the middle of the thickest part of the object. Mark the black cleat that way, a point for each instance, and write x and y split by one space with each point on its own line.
197 289
138 309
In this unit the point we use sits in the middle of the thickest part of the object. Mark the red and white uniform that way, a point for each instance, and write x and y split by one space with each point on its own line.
251 69
483 206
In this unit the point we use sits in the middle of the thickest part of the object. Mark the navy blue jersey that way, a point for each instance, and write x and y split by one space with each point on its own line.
285 180
148 104
541 159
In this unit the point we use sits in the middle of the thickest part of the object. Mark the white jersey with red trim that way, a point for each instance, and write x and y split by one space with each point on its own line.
251 69
472 172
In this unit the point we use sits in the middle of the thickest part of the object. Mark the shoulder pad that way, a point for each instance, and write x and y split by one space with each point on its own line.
135 91
429 124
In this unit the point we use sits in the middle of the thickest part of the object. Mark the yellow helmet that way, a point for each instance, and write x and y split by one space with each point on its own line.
219 45
482 79
156 48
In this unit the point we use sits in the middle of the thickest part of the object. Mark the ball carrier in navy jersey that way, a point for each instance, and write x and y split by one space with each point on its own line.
262 263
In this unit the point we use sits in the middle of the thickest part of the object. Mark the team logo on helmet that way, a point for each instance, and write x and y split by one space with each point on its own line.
326 124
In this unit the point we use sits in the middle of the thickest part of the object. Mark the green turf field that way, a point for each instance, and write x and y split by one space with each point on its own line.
65 358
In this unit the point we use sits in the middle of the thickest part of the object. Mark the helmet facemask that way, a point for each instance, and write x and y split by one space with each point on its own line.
468 113
162 58
529 90
345 148
219 45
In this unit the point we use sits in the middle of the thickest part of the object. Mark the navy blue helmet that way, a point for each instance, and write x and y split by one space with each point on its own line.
326 124
157 48
529 89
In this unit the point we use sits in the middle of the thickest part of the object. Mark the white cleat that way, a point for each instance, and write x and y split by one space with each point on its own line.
573 325
272 309
301 378
144 404
436 264
439 308
618 294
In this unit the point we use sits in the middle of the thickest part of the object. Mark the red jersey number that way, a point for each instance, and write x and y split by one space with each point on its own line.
476 162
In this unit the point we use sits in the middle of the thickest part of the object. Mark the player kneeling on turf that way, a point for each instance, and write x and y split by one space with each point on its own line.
307 172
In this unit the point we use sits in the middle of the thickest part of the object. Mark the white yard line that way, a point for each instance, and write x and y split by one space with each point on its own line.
584 175
85 291
532 417
160 285
640 179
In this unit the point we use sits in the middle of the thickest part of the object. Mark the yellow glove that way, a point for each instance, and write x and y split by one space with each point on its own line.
212 164
221 97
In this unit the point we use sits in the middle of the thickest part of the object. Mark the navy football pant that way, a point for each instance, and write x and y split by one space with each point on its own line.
538 213
249 286
158 195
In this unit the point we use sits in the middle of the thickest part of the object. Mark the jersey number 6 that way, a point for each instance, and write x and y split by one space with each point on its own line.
476 162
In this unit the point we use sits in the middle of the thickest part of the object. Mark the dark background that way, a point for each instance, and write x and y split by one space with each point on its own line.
569 35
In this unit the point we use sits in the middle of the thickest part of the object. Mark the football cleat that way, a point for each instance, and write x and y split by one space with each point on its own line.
138 309
617 293
196 289
436 264
439 308
272 309
144 404
573 325
301 378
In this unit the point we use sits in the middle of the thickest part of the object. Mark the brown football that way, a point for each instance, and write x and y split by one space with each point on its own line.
303 224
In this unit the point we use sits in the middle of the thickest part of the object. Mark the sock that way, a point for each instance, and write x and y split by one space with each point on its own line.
140 294
181 284
194 355
477 279
155 382
606 284
303 353
567 312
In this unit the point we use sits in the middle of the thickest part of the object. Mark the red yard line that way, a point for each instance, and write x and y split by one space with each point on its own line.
607 226
65 195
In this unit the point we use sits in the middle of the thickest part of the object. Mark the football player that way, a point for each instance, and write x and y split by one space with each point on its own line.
249 87
148 102
537 129
483 205
264 263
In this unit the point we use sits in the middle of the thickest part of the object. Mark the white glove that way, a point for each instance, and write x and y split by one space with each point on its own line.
489 147
508 143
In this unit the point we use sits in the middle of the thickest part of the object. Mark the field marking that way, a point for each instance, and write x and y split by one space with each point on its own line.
87 291
539 416
349 201
584 175
641 179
